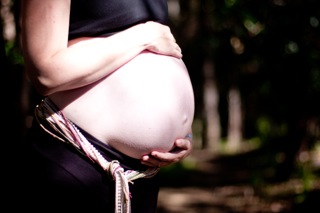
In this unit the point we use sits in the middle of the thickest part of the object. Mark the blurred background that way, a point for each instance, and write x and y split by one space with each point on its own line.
255 70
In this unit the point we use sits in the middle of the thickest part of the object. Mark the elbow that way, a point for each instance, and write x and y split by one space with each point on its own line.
43 89
44 76
44 85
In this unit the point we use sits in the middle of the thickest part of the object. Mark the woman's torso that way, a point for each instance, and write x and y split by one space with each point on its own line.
143 106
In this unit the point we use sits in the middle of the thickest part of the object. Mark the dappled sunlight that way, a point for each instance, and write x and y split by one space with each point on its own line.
224 199
243 182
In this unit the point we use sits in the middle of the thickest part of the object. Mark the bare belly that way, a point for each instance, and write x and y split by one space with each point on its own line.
143 106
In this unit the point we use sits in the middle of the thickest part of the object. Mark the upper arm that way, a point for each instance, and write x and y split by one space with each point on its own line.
44 25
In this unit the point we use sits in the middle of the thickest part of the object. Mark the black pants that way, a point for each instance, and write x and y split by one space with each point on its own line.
55 177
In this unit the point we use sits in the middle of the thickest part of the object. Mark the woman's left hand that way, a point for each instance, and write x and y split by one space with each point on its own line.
182 148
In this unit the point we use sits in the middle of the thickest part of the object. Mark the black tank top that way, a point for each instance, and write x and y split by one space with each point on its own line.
92 18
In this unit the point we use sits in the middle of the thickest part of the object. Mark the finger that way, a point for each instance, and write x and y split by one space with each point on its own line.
183 144
178 48
150 161
170 157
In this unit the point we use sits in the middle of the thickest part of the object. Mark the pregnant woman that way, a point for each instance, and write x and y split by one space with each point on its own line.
118 104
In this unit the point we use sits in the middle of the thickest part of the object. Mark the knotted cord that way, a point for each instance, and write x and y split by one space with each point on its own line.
63 129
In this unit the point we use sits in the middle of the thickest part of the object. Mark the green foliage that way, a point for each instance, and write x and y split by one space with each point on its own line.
268 128
13 53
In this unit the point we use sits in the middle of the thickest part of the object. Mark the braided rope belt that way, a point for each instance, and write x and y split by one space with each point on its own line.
63 129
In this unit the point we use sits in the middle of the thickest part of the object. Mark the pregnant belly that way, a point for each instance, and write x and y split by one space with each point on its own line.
143 106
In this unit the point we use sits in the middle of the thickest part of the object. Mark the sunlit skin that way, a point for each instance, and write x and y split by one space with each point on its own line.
146 105
84 78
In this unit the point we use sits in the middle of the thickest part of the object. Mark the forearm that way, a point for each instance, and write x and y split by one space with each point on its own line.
85 61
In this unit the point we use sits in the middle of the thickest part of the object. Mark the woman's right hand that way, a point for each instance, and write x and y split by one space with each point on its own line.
160 39
182 148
